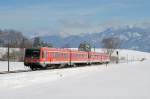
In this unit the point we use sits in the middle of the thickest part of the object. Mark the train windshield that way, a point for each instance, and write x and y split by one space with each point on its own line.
34 53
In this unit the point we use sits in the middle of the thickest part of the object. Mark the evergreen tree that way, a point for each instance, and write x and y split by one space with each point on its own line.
84 47
36 42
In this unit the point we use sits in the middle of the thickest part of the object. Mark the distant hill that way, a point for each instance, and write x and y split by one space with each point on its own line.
133 38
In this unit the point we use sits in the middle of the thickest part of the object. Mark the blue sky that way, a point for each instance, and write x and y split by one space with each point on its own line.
67 17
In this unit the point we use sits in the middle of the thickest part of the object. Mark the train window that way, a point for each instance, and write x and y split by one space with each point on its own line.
82 55
75 55
47 54
91 56
78 55
65 55
56 55
61 55
86 56
52 55
35 53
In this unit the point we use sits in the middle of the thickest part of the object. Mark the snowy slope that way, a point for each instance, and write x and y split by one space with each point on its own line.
133 55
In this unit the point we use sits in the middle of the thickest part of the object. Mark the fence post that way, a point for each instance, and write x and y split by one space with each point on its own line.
8 57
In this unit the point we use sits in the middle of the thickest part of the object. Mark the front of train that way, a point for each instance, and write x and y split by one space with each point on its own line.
32 58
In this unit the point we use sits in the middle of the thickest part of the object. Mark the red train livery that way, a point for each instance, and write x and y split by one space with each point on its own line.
58 57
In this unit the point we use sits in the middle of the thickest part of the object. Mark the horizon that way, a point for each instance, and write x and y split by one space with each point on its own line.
66 17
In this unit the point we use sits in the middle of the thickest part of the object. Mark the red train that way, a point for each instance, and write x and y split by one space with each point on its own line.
58 57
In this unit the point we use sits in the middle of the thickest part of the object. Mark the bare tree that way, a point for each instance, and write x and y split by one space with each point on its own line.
26 44
111 44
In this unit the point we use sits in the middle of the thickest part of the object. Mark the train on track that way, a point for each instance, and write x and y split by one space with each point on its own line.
45 57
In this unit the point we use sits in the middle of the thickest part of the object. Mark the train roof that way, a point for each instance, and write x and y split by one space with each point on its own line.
65 49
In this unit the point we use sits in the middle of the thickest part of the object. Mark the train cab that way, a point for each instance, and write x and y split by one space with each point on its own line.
32 57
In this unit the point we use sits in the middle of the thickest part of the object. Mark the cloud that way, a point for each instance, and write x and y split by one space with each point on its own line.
75 26
69 17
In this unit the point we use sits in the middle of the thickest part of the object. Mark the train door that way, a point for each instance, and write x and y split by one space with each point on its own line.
44 58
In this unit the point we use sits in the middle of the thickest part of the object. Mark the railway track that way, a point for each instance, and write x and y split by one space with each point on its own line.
16 71
49 68
21 71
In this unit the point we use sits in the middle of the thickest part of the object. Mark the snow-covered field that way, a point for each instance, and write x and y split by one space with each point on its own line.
115 81
13 66
121 81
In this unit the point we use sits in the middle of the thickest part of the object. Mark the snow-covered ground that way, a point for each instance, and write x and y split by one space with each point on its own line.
13 66
115 81
121 81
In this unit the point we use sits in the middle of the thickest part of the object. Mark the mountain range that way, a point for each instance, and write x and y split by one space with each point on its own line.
135 38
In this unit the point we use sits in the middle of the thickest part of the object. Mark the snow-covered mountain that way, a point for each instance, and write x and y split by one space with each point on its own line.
133 38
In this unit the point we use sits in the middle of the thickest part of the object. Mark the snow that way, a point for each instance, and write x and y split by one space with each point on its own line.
13 66
125 81
133 55
115 81
4 50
